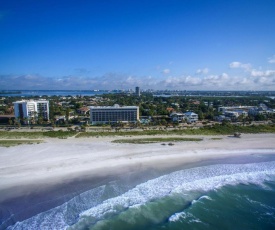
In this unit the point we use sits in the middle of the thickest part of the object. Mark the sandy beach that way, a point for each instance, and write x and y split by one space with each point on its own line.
59 160
70 166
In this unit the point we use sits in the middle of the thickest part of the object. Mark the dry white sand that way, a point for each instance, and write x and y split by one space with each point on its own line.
57 160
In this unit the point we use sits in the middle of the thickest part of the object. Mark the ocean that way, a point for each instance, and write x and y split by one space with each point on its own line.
214 196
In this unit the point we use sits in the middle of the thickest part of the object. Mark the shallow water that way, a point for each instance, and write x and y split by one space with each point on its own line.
220 196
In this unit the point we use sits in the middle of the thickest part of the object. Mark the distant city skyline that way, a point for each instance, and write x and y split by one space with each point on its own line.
155 44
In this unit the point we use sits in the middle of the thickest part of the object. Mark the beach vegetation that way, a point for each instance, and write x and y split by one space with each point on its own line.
216 129
36 134
10 143
156 140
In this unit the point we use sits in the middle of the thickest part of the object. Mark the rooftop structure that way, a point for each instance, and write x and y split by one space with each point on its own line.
233 108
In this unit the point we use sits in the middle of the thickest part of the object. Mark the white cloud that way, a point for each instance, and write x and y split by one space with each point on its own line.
254 79
30 77
166 71
202 71
254 72
239 65
260 73
271 59
235 64
270 73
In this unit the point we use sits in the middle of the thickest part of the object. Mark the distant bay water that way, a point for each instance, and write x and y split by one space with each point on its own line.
32 93
64 93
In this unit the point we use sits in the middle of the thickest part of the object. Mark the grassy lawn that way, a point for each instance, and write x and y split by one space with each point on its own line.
9 143
155 140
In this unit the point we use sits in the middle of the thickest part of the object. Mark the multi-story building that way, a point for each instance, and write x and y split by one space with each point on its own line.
43 109
137 91
26 110
114 114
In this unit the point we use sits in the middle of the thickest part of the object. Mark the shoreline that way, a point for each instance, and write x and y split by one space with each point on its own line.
46 175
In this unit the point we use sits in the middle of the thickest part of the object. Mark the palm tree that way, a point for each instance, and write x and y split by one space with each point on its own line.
26 120
35 116
10 121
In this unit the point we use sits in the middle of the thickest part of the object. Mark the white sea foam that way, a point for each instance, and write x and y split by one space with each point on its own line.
184 216
254 202
205 197
200 199
177 216
202 179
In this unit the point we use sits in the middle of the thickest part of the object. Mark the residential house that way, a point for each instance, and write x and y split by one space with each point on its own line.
191 117
177 117
83 110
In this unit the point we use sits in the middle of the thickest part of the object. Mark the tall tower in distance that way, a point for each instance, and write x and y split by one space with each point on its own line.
137 91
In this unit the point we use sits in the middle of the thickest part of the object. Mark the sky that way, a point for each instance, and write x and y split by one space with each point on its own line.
153 44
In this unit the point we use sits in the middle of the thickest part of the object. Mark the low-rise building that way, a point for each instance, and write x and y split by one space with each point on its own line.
231 114
221 118
261 110
223 109
241 112
8 119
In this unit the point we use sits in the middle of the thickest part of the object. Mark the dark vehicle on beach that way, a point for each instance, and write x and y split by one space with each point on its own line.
237 134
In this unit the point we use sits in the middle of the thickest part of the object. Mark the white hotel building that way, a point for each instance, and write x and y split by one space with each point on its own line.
28 109
114 114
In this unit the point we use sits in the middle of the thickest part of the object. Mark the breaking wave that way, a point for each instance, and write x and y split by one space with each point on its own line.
171 193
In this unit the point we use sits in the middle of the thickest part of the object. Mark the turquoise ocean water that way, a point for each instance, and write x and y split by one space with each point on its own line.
219 196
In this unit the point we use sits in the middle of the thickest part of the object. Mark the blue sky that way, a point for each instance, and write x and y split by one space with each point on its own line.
154 44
